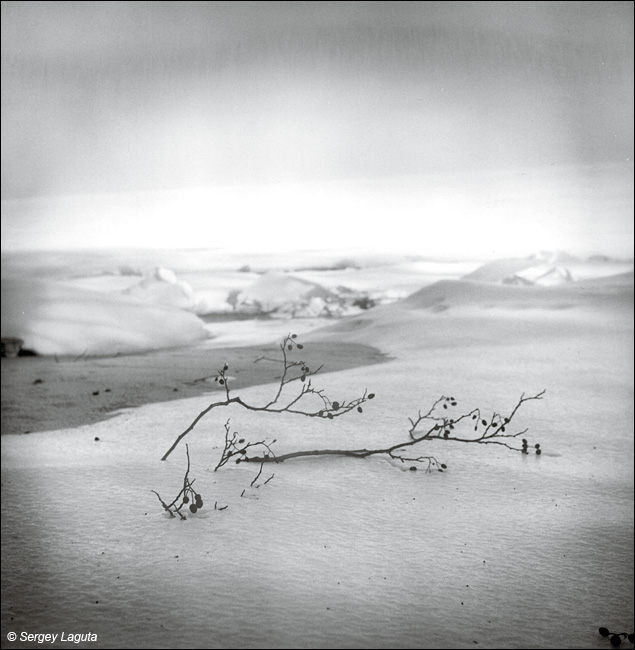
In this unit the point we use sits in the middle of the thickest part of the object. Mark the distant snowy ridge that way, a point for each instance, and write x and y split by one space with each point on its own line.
548 269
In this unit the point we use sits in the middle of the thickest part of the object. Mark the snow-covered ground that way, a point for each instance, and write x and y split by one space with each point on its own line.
99 303
501 550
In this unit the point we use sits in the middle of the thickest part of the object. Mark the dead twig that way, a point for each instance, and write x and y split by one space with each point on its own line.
294 372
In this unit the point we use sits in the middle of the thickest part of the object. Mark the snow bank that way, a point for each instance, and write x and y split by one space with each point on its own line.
548 269
56 319
162 287
284 295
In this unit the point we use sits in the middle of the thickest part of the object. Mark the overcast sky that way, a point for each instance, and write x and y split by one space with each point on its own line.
327 100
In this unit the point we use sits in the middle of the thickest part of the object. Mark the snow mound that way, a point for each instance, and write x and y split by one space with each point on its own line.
162 287
446 294
286 296
54 319
548 269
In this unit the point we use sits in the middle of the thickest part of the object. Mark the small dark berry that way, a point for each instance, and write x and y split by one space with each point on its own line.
300 346
603 631
445 406
186 499
290 347
193 508
240 442
336 405
360 409
537 446
484 423
221 381
413 468
371 395
616 640
444 466
294 336
538 452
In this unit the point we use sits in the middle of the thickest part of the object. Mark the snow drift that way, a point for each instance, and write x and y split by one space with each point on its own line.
284 295
162 287
548 269
56 319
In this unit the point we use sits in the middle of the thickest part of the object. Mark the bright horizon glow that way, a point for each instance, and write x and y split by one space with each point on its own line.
505 214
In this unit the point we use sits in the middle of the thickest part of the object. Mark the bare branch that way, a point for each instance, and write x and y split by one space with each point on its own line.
440 422
493 433
262 464
293 371
187 492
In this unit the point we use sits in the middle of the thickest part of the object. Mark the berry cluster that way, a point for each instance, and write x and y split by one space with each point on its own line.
616 637
290 342
188 493
336 406
497 422
536 446
220 377
198 500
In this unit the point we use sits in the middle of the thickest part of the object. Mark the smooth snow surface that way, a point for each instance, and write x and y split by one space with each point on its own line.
499 551
54 319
